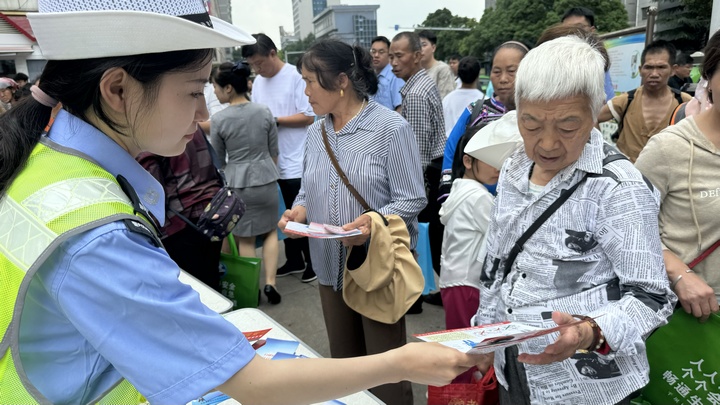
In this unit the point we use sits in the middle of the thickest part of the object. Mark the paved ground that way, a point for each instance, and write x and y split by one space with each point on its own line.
300 313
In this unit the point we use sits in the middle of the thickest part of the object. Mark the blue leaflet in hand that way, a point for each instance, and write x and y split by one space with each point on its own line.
273 346
285 356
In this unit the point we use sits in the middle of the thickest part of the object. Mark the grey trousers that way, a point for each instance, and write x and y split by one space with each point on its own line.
518 392
351 335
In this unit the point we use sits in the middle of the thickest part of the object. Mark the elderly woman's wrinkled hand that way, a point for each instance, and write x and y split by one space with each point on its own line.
362 223
572 339
430 363
696 297
297 214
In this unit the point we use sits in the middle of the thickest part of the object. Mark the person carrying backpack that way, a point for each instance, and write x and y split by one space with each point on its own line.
645 111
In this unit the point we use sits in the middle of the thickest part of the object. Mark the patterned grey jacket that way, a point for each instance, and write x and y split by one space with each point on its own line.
598 254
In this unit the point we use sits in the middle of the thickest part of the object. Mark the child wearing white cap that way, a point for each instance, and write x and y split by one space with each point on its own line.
466 214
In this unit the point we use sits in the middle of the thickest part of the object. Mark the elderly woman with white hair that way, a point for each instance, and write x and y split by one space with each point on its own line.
573 231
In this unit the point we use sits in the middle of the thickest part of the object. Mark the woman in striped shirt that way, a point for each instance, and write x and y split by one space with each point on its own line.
377 150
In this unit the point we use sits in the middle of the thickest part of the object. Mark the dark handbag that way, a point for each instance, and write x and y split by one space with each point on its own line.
221 215
223 212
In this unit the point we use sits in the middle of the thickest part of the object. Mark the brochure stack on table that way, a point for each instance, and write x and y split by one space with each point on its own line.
279 344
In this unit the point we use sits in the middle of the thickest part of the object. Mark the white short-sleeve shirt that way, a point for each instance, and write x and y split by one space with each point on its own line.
284 94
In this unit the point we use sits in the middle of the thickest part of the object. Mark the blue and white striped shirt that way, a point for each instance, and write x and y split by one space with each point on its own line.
378 152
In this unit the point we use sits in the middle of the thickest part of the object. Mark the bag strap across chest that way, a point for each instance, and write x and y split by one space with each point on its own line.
340 172
564 196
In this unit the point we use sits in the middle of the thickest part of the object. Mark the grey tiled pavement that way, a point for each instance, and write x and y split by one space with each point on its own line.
301 314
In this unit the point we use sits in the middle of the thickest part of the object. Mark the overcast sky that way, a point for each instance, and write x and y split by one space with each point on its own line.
267 15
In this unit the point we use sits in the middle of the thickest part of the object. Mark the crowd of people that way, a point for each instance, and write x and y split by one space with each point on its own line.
534 217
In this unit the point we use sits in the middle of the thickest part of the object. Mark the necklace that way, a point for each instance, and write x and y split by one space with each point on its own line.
362 107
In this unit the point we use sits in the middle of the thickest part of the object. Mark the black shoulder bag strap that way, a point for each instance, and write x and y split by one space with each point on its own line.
342 175
518 247
215 161
677 94
478 106
564 195
631 96
340 172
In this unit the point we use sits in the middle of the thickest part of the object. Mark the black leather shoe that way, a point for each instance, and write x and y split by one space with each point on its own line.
272 295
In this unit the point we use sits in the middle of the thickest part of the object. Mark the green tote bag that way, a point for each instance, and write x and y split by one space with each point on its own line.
684 358
242 275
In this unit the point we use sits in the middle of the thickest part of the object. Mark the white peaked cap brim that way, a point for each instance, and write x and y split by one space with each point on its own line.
496 141
99 34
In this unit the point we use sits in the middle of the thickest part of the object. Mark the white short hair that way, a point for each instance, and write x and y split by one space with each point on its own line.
562 68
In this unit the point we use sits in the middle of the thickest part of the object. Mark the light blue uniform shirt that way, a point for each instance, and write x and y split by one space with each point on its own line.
389 86
108 303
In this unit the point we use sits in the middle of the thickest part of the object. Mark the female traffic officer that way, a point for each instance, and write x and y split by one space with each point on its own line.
91 307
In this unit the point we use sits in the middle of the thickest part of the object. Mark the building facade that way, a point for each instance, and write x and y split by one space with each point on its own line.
287 38
354 25
638 11
304 11
19 51
221 9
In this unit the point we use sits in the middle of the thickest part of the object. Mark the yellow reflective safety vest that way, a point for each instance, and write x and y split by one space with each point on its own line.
56 196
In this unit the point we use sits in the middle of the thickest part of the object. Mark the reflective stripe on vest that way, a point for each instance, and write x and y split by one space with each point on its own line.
56 196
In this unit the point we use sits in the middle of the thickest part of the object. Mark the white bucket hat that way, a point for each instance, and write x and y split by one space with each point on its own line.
83 29
496 141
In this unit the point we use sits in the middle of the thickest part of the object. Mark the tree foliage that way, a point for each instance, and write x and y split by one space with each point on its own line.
520 20
687 25
299 46
448 42
610 15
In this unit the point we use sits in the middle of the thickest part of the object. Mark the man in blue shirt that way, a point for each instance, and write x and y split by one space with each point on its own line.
389 85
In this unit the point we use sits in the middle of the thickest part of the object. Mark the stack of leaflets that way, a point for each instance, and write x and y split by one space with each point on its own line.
320 231
273 349
277 349
488 338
